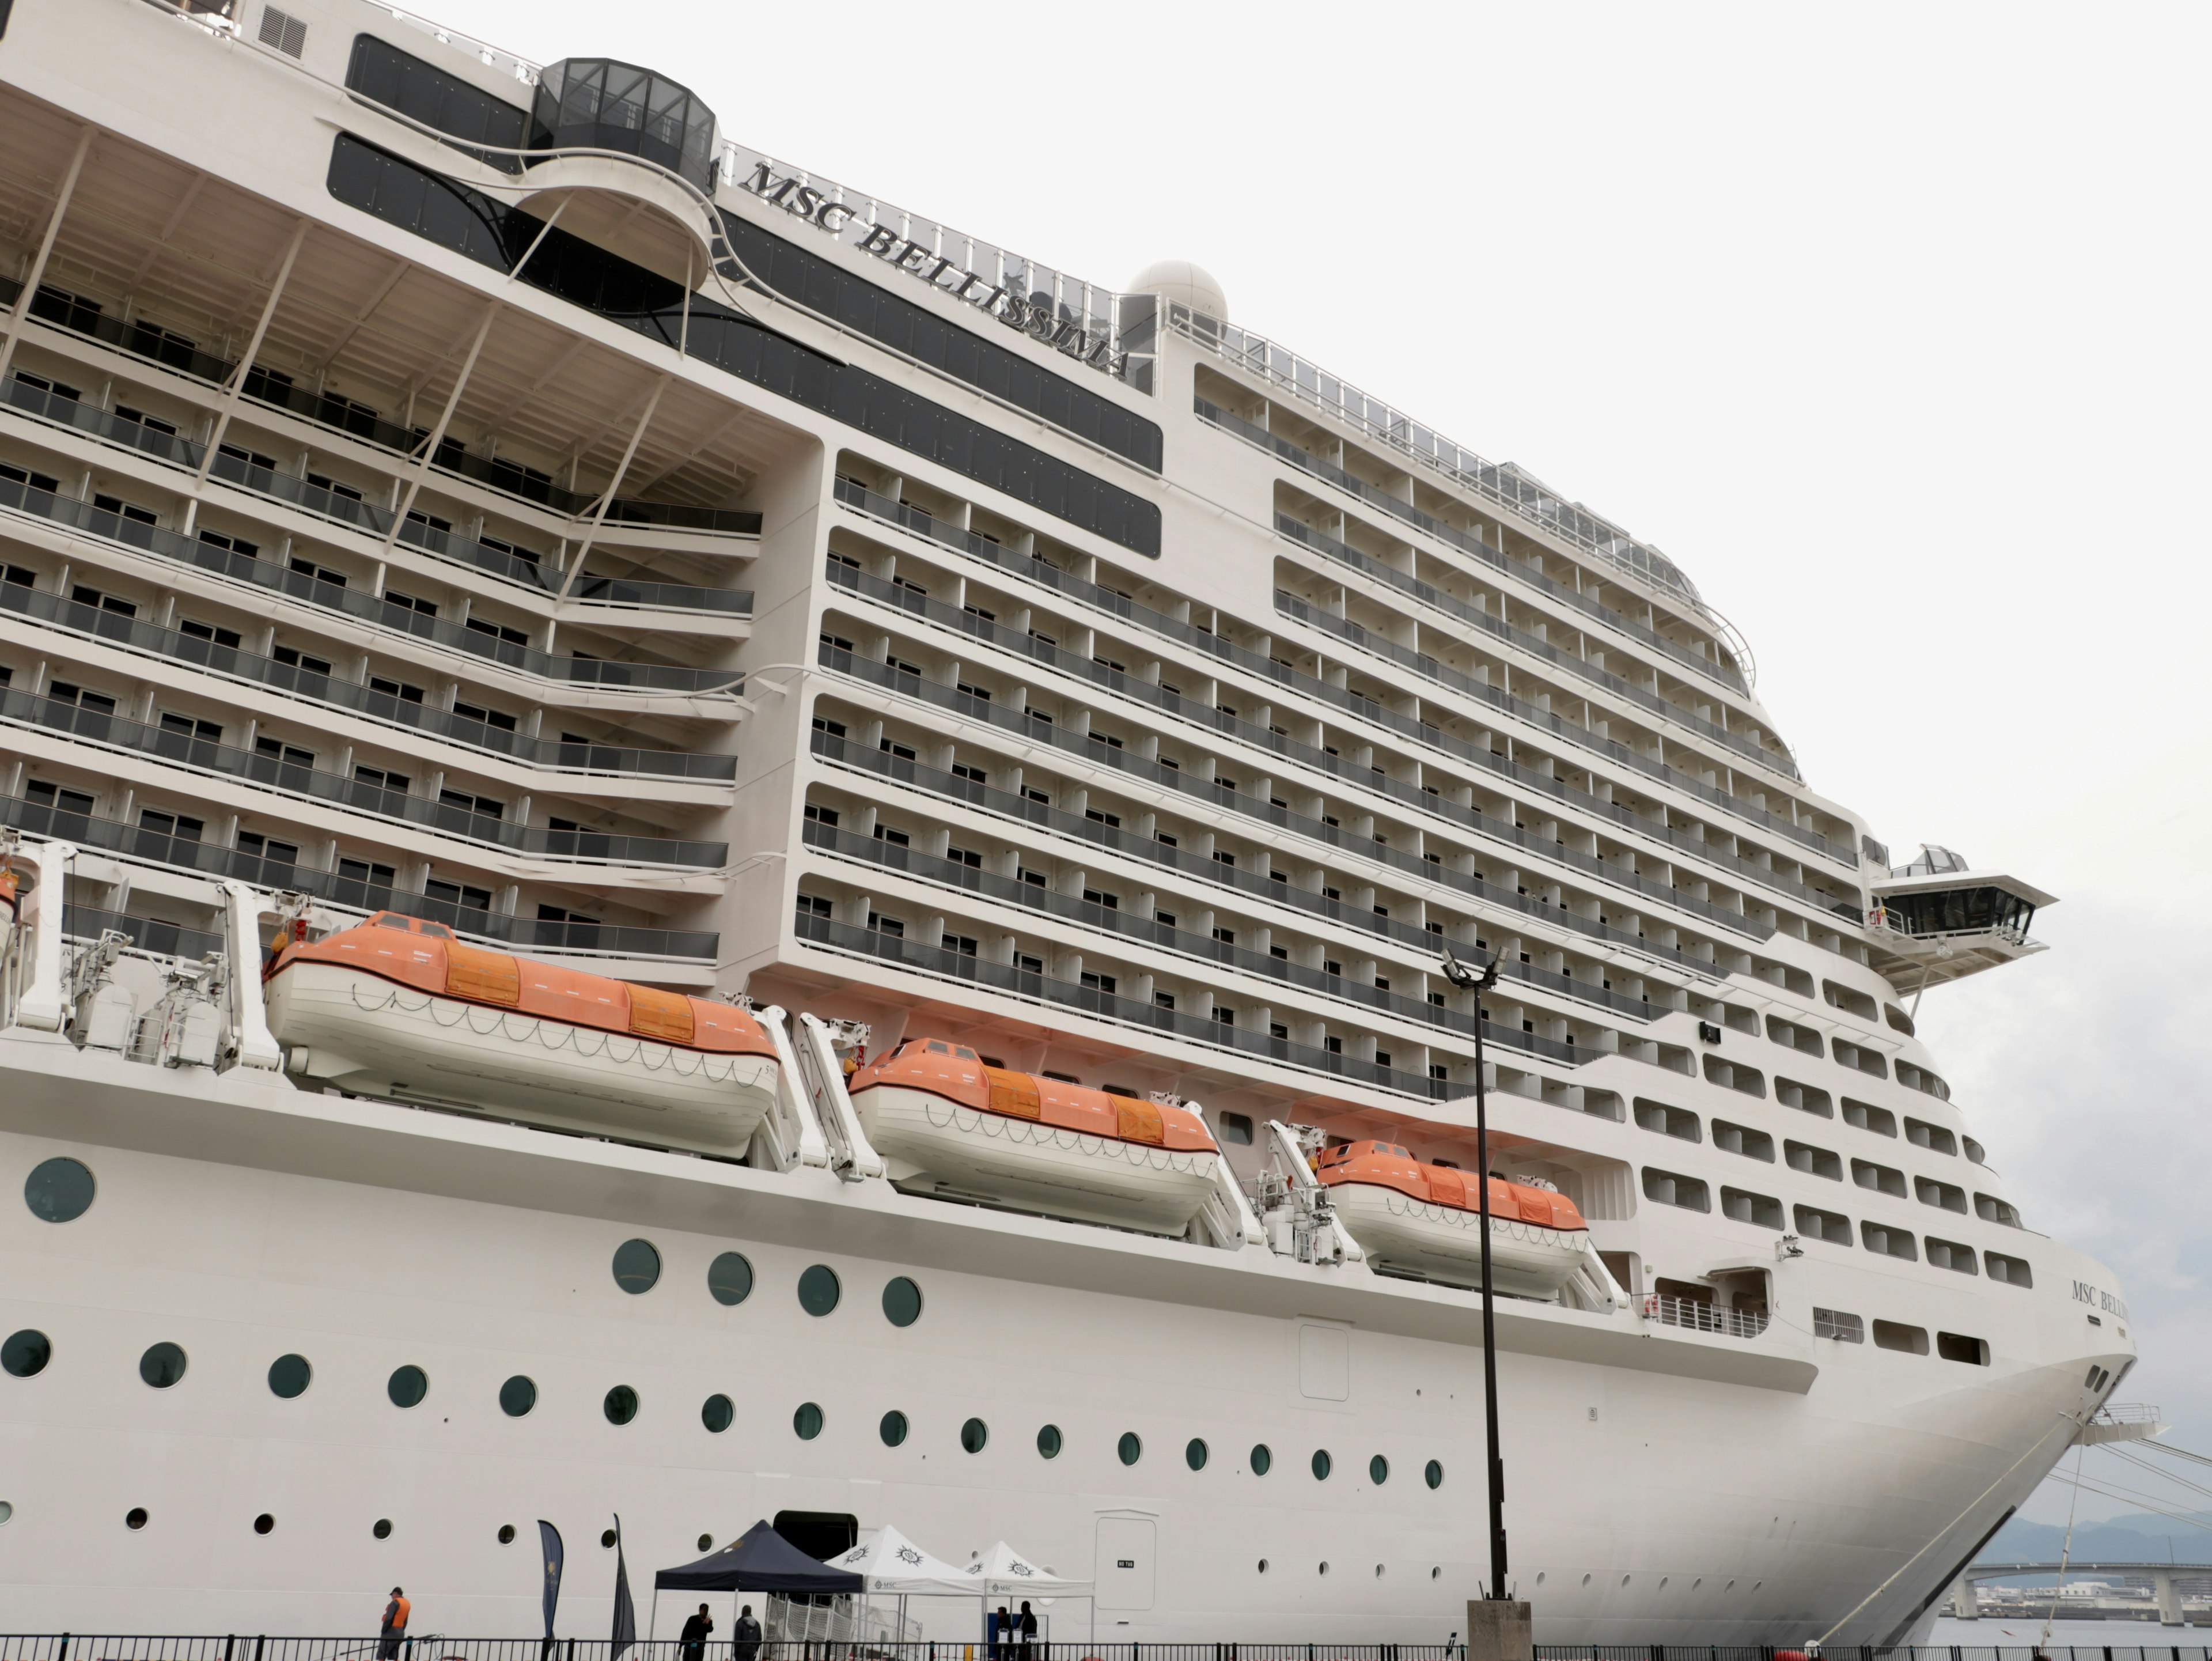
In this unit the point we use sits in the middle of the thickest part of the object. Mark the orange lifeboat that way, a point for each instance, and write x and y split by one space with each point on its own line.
949 1125
398 1006
1426 1220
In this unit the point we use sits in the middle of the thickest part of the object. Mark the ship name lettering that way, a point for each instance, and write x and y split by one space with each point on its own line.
2086 1294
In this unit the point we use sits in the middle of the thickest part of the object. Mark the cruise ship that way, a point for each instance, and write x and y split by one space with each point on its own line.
678 842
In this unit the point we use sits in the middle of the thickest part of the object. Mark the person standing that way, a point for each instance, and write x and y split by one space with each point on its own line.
746 1636
694 1640
394 1630
1028 1627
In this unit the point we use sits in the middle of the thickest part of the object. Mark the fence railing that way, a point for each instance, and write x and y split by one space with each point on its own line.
68 1646
1700 1318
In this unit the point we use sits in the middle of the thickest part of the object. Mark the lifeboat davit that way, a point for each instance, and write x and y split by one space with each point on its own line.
948 1125
398 1006
1426 1220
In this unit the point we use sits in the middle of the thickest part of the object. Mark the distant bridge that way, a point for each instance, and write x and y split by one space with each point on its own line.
2162 1577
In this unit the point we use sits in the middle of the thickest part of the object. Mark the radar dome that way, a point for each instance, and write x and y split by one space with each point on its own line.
1187 285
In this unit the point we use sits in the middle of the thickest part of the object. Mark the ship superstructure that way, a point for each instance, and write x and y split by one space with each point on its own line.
484 496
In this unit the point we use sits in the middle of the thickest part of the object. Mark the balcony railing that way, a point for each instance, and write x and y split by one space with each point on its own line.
1306 462
273 773
1029 569
141 339
1703 1318
1129 925
944 963
670 596
1098 753
45 821
314 687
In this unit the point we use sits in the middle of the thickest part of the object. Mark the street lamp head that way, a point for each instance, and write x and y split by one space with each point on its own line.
1469 979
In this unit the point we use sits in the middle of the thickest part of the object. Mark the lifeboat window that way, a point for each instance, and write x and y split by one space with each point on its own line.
438 930
808 1421
1048 1441
407 1386
1322 1464
1130 1448
27 1352
1378 1470
391 920
717 1413
963 1052
1263 1459
730 1278
1063 1078
620 1405
289 1375
901 1302
937 1047
517 1395
58 1190
892 1427
818 1289
636 1266
1402 1153
1235 1129
974 1435
1433 1475
1194 1453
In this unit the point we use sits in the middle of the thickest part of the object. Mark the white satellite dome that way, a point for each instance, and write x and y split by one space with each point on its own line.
1181 281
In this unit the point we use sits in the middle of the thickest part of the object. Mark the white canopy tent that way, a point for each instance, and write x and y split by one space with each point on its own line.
1002 1571
890 1563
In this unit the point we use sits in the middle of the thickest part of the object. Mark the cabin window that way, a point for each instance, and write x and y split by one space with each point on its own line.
162 1364
1816 1224
636 1266
730 1278
620 1405
289 1375
58 1190
407 1386
975 1434
1747 1207
1890 1242
1378 1470
1906 1340
818 1289
1666 1188
892 1427
1048 1441
1194 1453
902 1297
1949 1254
1321 1464
1130 1448
1957 1347
2012 1271
807 1423
1263 1461
939 1047
26 1354
718 1413
517 1395
1433 1475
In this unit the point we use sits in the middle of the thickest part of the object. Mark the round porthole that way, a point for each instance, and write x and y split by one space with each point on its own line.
1586 1580
1048 1442
27 1352
1324 1568
289 1375
134 1517
161 1365
506 1534
607 1539
730 1278
517 1395
1263 1459
637 1266
901 1302
1378 1571
974 1434
1322 1464
263 1523
818 1289
706 1543
1194 1453
892 1428
382 1528
620 1405
1433 1474
1437 1573
1130 1448
808 1421
1263 1565
7 1513
717 1413
58 1190
407 1386
1539 1576
1378 1470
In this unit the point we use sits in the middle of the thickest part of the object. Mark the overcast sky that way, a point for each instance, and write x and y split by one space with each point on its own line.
1886 322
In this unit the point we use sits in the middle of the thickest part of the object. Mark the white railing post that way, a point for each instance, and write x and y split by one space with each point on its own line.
44 1006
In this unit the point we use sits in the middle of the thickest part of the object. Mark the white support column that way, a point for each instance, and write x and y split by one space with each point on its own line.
607 496
422 465
13 326
236 389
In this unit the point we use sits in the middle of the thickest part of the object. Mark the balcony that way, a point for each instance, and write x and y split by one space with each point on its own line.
941 963
266 387
203 756
1696 1316
355 699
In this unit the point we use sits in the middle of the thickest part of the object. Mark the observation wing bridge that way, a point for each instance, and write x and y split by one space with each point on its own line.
2165 1578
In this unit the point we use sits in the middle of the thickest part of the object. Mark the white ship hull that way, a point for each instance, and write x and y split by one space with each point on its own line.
1442 1243
359 1033
938 1147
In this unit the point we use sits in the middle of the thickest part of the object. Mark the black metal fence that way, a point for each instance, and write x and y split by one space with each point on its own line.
78 1647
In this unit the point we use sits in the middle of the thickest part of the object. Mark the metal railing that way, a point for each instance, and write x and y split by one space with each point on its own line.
140 338
1305 461
81 1646
309 782
672 596
1501 483
857 497
1703 1318
44 820
945 963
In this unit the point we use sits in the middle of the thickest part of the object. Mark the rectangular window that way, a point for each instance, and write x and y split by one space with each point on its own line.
468 802
1744 1207
181 826
903 751
368 872
56 388
1098 816
814 905
283 754
960 946
214 634
1814 1161
127 510
1879 1120
192 727
293 658
1895 1334
1675 1122
835 729
2009 1271
961 769
459 893
892 927
821 815
498 631
35 481
1666 1188
336 487
1816 1224
1164 1000
1933 1137
884 833
967 857
1957 1347
1028 965
254 844
80 595
1881 1178
46 793
236 545
1889 1242
421 608
250 458
1097 982
1949 1254
1948 1195
1099 898
381 778
1743 1140
1235 1129
308 567
1844 1327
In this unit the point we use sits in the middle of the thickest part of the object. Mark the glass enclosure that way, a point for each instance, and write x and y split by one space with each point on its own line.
595 103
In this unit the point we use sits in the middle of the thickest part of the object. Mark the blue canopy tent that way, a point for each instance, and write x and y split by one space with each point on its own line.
759 1559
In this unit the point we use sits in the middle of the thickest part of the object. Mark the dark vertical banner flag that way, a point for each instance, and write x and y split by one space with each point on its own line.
625 1632
549 1537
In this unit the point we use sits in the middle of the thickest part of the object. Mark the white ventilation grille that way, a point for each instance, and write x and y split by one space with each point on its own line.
283 31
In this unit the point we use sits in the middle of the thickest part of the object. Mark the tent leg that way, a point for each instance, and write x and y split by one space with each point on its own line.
653 1619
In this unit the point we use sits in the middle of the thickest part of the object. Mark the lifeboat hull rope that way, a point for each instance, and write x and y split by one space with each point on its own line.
1444 1242
366 1035
936 1145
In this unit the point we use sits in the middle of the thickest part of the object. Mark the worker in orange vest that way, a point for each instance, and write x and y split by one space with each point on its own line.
395 1625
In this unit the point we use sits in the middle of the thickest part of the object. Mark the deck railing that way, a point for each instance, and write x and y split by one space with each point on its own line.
1703 1317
